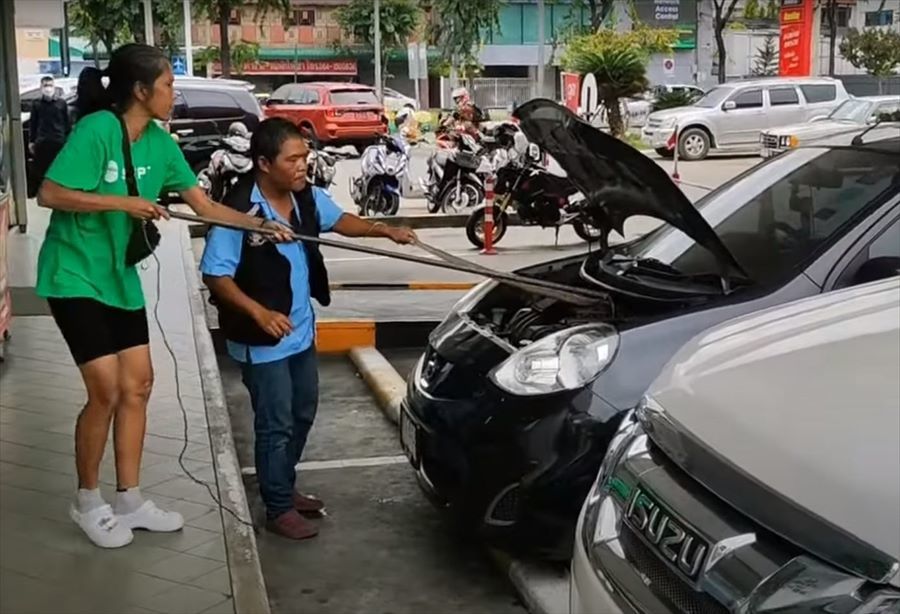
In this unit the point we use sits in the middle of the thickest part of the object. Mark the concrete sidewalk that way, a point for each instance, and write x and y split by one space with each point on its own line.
46 563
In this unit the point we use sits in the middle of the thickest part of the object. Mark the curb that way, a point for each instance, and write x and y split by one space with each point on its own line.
248 586
543 589
386 384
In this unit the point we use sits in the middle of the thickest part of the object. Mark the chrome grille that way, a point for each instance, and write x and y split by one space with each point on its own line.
769 141
654 123
664 583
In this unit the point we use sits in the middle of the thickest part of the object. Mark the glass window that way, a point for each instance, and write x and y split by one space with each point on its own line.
774 219
209 104
879 18
819 93
780 96
714 97
353 97
887 245
749 99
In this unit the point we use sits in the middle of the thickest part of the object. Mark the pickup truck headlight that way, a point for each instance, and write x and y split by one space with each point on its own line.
788 141
668 122
566 360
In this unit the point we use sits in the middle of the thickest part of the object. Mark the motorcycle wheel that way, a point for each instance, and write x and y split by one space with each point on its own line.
586 232
393 204
457 199
475 227
432 204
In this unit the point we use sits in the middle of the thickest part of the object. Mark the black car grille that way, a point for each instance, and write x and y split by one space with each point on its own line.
443 379
664 583
504 509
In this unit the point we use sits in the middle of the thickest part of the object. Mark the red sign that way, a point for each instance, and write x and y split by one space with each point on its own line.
571 90
796 38
300 67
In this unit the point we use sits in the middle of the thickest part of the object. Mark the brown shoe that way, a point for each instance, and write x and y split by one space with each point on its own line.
306 504
293 526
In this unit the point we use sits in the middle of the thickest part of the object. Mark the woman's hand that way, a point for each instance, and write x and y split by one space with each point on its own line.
278 232
402 235
143 209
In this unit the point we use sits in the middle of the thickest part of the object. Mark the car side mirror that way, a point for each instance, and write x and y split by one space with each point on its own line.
883 267
729 106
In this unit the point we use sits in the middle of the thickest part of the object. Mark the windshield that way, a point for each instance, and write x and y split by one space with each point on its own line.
714 97
775 218
852 111
353 97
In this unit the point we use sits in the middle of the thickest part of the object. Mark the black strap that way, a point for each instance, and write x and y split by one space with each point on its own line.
126 153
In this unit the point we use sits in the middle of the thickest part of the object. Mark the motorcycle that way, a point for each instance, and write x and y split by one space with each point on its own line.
455 177
384 166
320 168
227 164
538 190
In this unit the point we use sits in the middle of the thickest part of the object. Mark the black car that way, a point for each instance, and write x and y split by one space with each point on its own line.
204 108
511 407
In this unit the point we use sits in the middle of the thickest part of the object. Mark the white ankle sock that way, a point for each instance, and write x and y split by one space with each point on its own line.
128 501
89 499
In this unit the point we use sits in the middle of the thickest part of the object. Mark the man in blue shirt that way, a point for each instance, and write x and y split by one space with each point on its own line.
263 291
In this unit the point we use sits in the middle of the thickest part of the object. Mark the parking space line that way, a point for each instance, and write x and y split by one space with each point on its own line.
346 463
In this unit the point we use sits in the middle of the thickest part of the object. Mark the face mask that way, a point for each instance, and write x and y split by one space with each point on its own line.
48 91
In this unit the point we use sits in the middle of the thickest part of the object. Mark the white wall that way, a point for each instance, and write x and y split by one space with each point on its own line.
38 13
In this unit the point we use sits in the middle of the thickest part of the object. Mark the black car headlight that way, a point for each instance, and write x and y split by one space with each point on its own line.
566 360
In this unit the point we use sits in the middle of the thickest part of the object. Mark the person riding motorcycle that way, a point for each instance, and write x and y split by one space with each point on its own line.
467 117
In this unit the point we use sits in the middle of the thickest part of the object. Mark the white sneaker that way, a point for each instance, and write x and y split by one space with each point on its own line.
102 527
151 518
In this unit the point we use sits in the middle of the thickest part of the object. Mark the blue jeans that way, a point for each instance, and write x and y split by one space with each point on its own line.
285 396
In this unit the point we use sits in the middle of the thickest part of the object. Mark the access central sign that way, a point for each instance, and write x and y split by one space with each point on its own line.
795 41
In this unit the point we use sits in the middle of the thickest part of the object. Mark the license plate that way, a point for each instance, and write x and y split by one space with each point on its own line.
409 438
362 115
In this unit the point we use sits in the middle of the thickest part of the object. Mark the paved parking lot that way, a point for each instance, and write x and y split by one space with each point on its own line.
382 548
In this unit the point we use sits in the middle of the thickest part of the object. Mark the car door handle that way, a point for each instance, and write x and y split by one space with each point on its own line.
185 132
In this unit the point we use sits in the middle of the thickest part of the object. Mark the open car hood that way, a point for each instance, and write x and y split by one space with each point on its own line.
617 180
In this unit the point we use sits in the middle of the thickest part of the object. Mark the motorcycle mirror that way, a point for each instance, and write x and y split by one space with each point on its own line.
520 142
534 152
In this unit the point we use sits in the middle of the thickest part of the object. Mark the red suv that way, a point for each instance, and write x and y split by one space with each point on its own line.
334 113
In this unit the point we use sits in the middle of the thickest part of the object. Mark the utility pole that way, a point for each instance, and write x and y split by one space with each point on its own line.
539 88
188 39
148 23
378 67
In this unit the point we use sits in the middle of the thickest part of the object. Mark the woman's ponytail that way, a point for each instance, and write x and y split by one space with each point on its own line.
92 94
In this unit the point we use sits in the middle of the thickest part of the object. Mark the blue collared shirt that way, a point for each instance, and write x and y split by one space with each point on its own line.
223 253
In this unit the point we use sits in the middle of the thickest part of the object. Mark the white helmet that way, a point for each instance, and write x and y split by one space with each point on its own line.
460 92
402 115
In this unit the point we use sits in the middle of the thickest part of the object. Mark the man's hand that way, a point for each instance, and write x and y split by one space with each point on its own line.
273 322
279 232
401 235
143 209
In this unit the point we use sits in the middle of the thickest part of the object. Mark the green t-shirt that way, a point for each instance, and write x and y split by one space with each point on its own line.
83 255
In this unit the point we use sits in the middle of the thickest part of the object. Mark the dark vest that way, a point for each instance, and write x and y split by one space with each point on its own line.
264 274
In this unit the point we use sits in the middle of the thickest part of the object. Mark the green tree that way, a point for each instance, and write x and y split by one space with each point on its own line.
168 21
876 50
398 18
457 27
618 60
752 10
766 62
773 8
723 12
219 11
103 21
240 54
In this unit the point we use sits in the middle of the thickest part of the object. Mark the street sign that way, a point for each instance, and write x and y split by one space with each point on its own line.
417 60
589 96
179 65
669 66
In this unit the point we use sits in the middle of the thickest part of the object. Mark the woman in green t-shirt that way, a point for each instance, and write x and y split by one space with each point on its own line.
94 295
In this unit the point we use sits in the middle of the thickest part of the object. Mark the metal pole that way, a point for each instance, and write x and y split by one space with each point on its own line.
188 39
148 23
378 67
539 89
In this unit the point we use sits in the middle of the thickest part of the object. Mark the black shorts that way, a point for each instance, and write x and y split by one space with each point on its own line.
92 329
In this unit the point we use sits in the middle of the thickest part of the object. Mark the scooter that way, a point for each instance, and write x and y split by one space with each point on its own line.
455 177
320 168
227 164
538 190
384 167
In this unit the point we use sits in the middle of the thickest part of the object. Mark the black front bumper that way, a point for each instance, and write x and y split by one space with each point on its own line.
516 469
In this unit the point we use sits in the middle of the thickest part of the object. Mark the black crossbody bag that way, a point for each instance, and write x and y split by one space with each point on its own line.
145 236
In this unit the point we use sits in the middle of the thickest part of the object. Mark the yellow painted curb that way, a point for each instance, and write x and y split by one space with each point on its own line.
339 336
382 378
